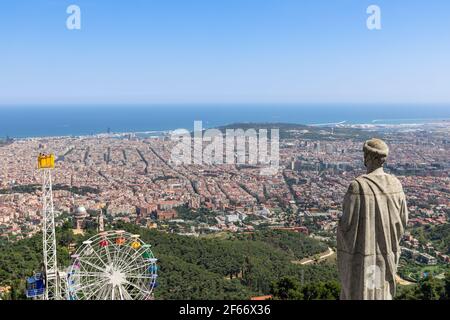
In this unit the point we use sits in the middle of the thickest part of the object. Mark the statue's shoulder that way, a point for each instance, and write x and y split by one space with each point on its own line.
355 187
395 183
359 185
394 179
386 182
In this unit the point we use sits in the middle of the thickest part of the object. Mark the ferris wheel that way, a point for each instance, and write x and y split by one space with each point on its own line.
112 265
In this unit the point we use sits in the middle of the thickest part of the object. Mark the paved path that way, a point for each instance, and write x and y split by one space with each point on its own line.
403 282
324 255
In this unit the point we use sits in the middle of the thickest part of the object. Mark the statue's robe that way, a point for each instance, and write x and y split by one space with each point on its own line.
374 218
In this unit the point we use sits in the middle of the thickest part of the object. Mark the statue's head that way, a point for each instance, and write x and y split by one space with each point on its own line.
376 152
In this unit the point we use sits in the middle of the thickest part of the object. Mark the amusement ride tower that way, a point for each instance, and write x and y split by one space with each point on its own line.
46 163
112 265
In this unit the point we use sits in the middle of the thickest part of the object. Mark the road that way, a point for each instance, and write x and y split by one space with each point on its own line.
324 255
403 282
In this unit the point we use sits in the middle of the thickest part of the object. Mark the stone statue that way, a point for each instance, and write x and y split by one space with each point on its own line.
374 218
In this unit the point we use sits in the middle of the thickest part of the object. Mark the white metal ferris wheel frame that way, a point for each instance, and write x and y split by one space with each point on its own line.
105 269
52 288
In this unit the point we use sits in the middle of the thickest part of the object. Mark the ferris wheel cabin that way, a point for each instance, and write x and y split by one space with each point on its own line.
35 286
46 161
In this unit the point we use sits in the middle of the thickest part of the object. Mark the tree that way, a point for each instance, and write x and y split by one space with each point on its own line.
446 295
287 288
14 294
430 288
321 291
410 292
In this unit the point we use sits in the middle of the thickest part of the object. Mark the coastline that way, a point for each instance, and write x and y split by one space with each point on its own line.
28 122
161 133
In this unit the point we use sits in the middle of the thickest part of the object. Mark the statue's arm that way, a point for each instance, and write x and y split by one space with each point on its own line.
404 212
350 207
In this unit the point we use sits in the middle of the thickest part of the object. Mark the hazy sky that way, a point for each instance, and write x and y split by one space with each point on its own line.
148 51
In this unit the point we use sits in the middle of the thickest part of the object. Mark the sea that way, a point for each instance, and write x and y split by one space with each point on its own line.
78 120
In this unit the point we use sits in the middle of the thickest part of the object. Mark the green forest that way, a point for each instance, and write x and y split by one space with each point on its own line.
191 268
237 267
438 235
32 188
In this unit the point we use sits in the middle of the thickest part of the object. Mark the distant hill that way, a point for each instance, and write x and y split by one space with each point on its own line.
292 131
266 125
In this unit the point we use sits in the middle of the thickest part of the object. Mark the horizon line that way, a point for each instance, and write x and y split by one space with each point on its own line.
213 103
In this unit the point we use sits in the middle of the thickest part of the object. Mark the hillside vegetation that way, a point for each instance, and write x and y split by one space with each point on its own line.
438 235
193 268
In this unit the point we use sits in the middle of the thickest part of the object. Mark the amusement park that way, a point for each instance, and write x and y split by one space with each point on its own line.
111 265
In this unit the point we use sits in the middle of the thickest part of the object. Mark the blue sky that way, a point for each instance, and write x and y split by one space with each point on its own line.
189 51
